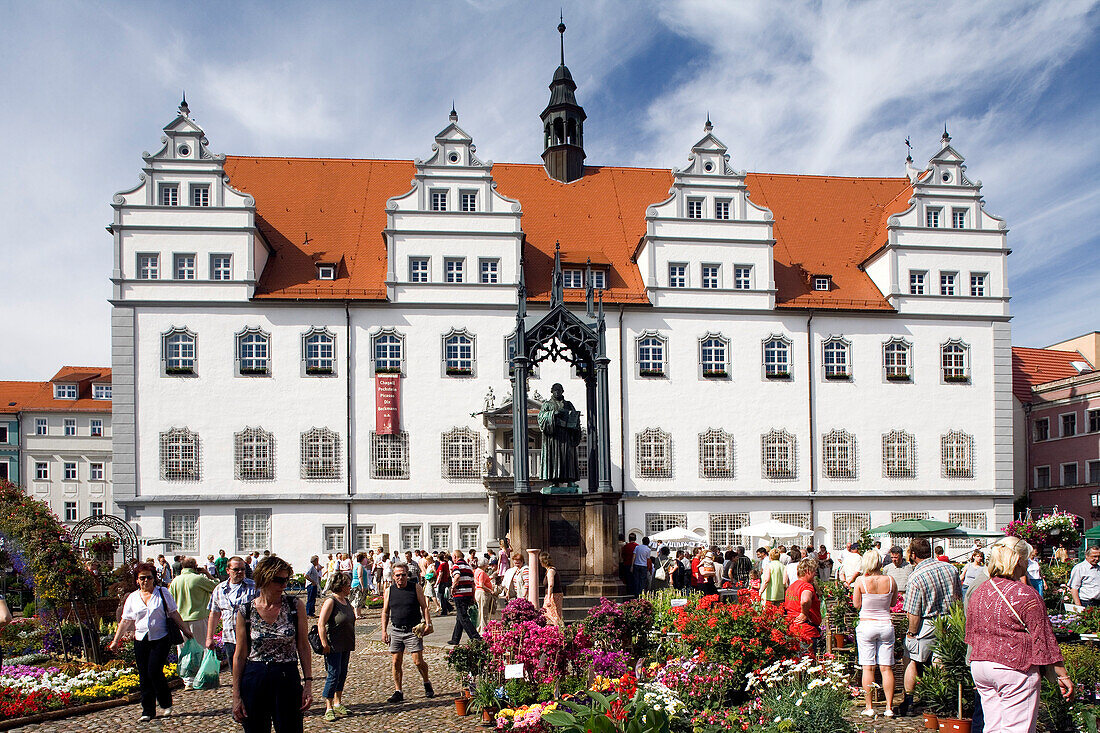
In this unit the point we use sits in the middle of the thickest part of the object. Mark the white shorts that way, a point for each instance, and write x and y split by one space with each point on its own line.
875 640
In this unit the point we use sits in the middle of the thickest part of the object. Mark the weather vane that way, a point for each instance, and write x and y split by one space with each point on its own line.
909 149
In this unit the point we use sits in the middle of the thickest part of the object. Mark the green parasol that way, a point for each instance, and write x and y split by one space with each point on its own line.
914 527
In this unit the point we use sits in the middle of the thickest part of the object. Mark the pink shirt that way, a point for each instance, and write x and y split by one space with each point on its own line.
482 580
996 635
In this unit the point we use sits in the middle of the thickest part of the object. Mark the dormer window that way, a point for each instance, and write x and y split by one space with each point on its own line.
722 209
200 195
439 200
101 391
823 282
695 209
326 271
468 201
932 218
958 218
169 194
599 279
64 391
573 278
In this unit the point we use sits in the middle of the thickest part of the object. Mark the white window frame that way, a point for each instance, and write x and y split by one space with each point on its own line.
823 283
420 269
1039 471
677 274
96 471
775 362
899 455
69 471
461 454
320 455
1092 472
510 350
651 355
717 458
253 353
778 456
315 362
334 538
186 531
101 391
68 427
660 521
41 426
488 269
254 455
839 457
389 456
918 282
439 537
892 369
836 358
966 520
180 455
955 361
96 509
179 353
71 513
957 455
467 201
599 279
65 392
437 199
722 209
848 527
933 217
653 454
95 427
221 267
1062 433
949 283
454 269
41 471
200 194
387 351
710 276
742 277
361 535
326 271
1092 417
405 530
1064 478
573 279
184 266
252 529
4 435
725 528
714 356
694 209
465 541
148 266
979 284
958 218
458 354
168 194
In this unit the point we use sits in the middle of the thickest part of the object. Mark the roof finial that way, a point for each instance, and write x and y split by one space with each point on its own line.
561 30
708 127
946 138
184 109
908 150
454 115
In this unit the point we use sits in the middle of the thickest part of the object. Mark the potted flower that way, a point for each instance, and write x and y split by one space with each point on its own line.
459 371
1060 528
103 545
778 375
714 374
485 701
897 377
178 371
651 372
318 370
253 371
387 370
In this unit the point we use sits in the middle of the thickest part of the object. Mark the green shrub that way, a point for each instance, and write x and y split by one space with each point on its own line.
938 693
520 692
28 609
1083 666
803 710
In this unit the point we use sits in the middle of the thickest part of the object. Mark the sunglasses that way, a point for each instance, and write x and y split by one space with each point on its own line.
145 577
281 579
236 570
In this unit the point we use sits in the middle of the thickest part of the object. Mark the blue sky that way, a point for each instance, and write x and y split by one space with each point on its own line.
820 88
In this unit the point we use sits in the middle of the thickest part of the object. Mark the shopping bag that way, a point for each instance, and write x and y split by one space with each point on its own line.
190 658
209 673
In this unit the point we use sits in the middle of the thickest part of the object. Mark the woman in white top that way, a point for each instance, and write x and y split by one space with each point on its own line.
146 613
516 578
874 594
790 570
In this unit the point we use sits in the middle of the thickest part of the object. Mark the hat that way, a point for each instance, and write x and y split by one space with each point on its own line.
709 555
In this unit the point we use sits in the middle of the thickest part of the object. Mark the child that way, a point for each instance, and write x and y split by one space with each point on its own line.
754 583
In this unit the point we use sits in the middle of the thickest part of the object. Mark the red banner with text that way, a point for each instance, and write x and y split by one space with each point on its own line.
387 399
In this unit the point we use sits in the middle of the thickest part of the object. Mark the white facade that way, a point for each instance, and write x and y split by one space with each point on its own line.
954 425
69 465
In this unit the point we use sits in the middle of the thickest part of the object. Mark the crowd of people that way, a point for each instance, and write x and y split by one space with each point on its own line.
243 603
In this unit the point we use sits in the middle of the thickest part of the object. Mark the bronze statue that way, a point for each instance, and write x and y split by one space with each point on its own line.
561 434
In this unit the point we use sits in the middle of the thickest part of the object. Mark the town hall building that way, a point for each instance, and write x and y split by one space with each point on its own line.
308 352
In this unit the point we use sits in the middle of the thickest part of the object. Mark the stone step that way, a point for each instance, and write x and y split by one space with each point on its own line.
587 602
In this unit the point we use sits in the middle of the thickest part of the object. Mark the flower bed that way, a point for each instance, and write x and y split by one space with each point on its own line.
28 690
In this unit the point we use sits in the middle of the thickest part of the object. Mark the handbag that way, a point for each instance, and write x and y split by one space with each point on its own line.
314 637
661 573
175 635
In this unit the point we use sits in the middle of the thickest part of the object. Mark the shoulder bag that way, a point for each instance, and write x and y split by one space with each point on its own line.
175 635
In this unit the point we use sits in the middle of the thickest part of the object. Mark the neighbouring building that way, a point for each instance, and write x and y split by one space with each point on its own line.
59 440
829 351
1058 396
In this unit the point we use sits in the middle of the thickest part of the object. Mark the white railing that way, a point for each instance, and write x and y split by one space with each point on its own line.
501 464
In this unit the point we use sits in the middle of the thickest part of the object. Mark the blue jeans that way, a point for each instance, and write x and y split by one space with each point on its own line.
311 599
641 580
336 667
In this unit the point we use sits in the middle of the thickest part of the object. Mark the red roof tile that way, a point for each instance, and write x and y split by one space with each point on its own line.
1031 367
38 396
14 395
333 210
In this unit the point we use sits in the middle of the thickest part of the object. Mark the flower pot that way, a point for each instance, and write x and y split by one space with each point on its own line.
488 718
931 722
838 641
460 706
954 725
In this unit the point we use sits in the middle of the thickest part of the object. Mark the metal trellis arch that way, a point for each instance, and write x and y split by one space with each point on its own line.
125 533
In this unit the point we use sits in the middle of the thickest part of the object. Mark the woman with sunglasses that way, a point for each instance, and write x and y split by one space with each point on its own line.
271 642
146 614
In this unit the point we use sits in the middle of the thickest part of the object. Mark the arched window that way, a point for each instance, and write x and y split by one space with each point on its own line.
253 352
715 454
777 357
955 361
254 455
777 455
838 452
651 354
714 356
179 352
179 455
957 450
388 350
459 357
389 455
653 454
319 352
460 449
559 131
897 360
837 358
571 133
320 454
899 455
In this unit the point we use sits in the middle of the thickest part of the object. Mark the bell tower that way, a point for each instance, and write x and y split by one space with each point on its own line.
563 125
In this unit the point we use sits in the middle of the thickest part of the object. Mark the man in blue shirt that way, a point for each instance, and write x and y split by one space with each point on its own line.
225 602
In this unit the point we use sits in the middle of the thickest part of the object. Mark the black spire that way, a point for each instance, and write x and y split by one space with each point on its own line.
184 109
557 288
454 115
563 124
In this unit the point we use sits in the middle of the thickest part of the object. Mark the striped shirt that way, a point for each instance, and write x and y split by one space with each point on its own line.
462 580
932 588
227 600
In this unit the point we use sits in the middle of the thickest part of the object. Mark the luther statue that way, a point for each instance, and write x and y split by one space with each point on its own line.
560 424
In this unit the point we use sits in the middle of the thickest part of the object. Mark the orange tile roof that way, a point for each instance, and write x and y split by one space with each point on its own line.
38 396
1031 367
333 210
15 395
82 374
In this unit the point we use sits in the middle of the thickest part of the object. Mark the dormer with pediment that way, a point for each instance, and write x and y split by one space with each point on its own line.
945 254
708 238
184 233
452 238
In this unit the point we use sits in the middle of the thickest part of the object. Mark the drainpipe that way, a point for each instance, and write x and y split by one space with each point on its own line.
810 377
351 435
1027 459
622 418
